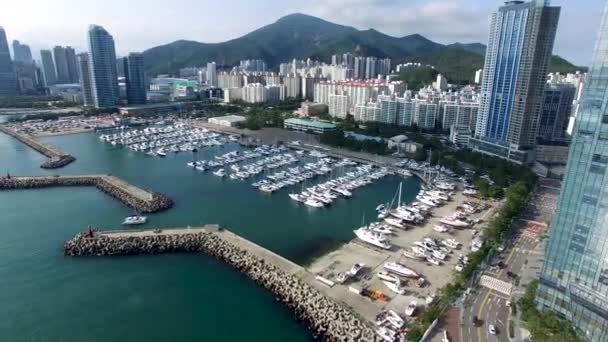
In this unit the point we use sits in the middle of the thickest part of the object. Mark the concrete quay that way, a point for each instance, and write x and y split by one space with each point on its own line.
287 281
132 196
57 158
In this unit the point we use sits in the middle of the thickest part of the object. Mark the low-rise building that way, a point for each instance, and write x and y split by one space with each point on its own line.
308 125
460 134
152 109
312 109
228 120
402 144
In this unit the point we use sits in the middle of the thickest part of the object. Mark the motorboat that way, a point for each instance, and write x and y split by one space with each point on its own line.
298 197
355 269
342 277
411 309
441 228
385 276
394 222
313 203
386 334
454 222
399 269
451 243
383 230
433 261
372 238
134 220
395 287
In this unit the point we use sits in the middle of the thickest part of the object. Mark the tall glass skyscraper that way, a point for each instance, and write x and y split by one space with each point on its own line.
517 58
574 279
103 68
61 65
48 66
84 65
8 79
135 79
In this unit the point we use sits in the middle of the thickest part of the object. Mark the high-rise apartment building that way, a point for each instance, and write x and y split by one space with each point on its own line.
574 278
22 52
557 109
8 79
135 79
48 67
517 57
61 64
70 56
212 75
86 83
103 67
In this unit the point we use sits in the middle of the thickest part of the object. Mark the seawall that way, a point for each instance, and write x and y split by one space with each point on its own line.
139 199
57 157
324 317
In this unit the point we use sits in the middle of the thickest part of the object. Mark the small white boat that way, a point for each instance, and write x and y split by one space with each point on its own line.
355 269
411 309
134 220
385 276
220 172
395 287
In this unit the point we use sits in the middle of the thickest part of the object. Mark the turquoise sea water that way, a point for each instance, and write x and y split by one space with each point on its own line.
47 297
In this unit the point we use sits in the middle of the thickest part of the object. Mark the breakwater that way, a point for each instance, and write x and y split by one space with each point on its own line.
324 317
57 157
139 199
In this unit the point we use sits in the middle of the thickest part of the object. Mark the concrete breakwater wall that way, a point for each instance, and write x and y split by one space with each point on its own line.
57 157
150 203
325 318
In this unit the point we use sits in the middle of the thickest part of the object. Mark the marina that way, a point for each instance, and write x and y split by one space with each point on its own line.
202 193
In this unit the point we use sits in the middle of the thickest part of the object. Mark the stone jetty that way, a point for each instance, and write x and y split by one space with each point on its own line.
57 157
134 197
325 318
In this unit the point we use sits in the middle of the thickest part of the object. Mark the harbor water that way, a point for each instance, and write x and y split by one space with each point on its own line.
48 297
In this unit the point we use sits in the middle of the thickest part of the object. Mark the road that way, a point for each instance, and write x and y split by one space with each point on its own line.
490 306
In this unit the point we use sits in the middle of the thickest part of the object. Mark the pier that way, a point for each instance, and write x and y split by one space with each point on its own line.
286 280
141 200
57 157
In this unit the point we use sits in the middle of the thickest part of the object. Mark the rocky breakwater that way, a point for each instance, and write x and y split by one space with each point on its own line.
57 158
154 203
326 319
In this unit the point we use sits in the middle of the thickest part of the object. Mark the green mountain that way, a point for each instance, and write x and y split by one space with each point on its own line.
302 36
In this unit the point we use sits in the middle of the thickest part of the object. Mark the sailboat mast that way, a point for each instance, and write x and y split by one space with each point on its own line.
399 199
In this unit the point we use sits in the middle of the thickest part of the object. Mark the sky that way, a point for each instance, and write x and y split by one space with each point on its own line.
137 27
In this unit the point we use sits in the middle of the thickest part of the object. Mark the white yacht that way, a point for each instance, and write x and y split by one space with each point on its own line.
382 229
134 220
411 309
220 172
298 197
355 269
394 222
386 334
385 276
454 222
377 240
441 228
395 287
401 270
313 203
161 152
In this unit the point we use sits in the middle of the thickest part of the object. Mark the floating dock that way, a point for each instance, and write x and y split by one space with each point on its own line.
324 317
141 200
57 157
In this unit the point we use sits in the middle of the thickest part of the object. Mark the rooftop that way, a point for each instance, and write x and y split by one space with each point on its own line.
312 123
